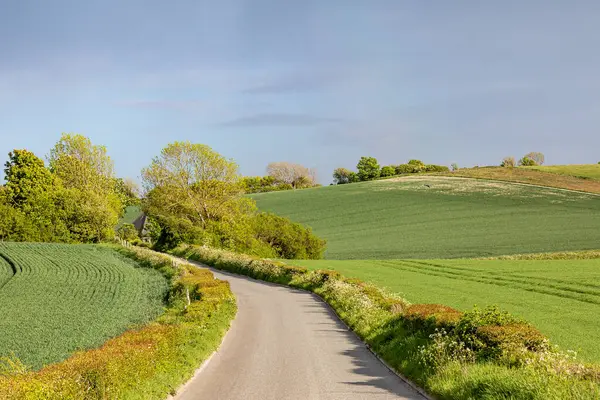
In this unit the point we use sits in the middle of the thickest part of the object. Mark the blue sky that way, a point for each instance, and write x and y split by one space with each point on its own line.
315 82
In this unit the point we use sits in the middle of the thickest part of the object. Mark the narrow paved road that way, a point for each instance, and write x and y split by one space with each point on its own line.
287 344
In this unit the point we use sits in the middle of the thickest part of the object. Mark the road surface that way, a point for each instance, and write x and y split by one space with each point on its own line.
287 344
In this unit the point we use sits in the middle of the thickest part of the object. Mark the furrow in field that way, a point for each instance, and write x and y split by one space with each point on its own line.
7 270
549 291
570 286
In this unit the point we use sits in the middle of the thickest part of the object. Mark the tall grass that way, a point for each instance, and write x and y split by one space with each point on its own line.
453 355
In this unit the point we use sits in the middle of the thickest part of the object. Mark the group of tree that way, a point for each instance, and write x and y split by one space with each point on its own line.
530 159
281 176
192 194
76 198
368 168
197 196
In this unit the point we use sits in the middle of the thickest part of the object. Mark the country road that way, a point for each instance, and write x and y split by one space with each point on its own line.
287 344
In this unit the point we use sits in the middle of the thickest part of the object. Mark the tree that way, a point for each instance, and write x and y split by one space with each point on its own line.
27 178
128 191
127 232
508 162
388 170
537 157
527 162
89 195
368 168
454 167
342 176
292 174
192 181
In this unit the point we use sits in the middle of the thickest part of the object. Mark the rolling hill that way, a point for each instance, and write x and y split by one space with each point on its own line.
441 217
585 171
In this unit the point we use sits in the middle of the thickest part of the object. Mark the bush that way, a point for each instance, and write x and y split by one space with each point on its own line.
436 168
368 168
127 232
527 162
508 162
405 169
388 170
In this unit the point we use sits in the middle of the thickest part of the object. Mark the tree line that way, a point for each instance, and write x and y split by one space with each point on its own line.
528 160
281 176
191 194
368 168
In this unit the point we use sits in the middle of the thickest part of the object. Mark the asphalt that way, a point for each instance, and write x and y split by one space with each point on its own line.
287 344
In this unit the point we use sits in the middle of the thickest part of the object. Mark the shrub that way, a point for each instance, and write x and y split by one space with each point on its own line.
127 232
527 162
368 168
436 168
508 162
405 169
388 170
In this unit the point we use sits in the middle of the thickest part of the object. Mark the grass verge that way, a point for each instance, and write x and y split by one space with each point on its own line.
146 363
453 355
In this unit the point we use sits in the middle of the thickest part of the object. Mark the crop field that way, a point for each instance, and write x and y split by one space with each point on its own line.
560 297
530 176
56 299
429 217
588 171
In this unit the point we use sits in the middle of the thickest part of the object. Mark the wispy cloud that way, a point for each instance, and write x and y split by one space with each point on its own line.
279 119
162 104
299 82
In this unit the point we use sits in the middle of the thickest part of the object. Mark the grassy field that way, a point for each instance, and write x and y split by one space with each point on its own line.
131 214
586 171
430 217
530 176
56 299
560 297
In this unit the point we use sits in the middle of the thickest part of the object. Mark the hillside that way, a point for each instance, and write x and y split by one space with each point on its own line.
585 171
542 177
554 295
441 217
56 299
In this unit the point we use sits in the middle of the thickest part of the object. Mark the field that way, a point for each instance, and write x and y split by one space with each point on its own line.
560 297
56 299
586 171
429 217
530 176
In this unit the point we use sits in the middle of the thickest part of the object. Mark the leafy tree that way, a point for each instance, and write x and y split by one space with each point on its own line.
292 174
192 181
454 167
368 168
527 162
128 191
127 232
27 178
388 170
508 162
342 176
90 201
537 157
353 177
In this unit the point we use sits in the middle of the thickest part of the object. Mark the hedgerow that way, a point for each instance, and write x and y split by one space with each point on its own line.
146 363
482 353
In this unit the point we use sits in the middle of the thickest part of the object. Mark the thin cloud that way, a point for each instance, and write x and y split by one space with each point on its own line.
292 84
162 104
279 119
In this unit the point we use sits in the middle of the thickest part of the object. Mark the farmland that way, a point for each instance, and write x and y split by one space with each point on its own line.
56 299
430 217
560 297
586 171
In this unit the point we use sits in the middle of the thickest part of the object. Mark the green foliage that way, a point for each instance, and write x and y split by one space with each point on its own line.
454 167
406 169
561 285
537 157
452 218
527 162
388 170
150 362
127 191
440 362
368 168
290 240
64 298
342 176
127 232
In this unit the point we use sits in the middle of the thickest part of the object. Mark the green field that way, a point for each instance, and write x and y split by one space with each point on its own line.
452 218
131 214
588 171
56 299
560 297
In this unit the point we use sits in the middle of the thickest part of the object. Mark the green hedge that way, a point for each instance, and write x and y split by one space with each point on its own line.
453 355
146 363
